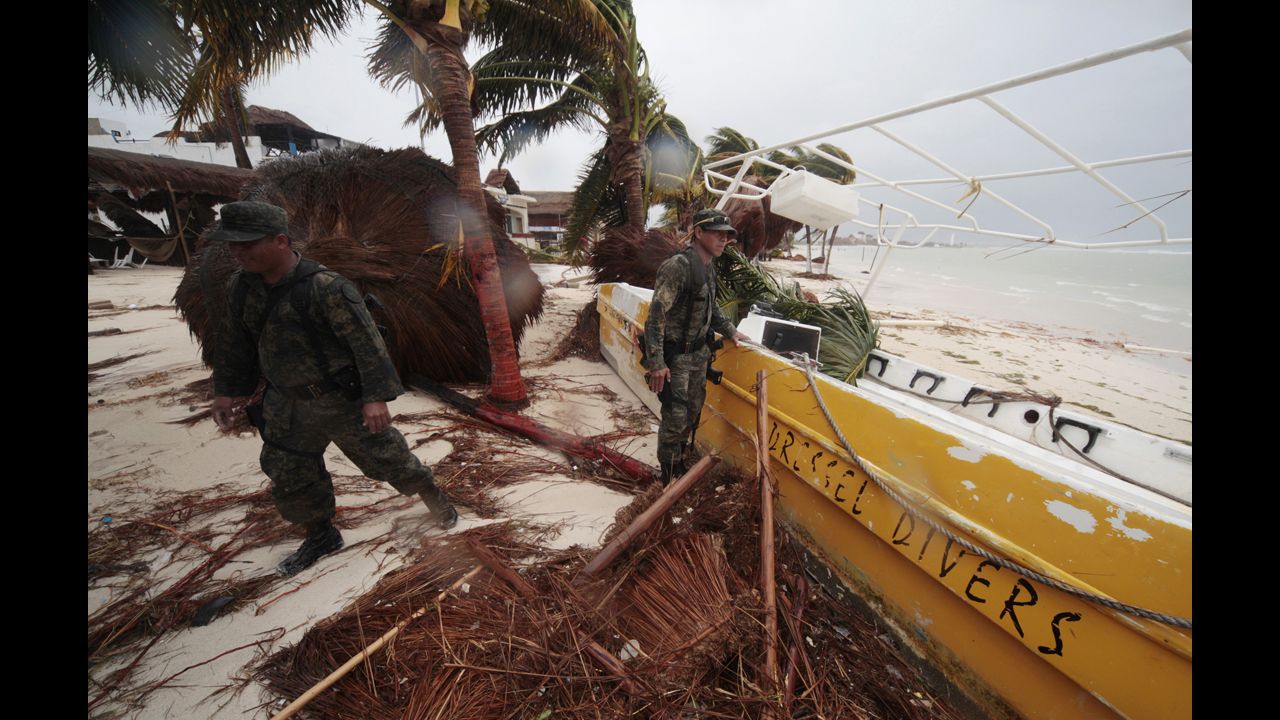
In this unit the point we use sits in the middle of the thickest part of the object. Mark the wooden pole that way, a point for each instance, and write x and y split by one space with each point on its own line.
647 518
769 587
359 657
177 218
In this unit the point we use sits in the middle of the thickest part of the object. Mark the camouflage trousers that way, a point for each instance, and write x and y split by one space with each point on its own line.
682 405
296 435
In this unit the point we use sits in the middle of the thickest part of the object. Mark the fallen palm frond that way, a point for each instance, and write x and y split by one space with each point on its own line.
848 333
112 362
584 339
388 222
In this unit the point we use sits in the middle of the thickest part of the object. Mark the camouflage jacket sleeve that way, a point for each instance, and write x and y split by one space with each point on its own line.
672 275
720 323
235 356
345 312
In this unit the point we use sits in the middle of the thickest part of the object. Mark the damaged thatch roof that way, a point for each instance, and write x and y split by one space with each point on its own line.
259 115
550 202
387 221
501 178
140 174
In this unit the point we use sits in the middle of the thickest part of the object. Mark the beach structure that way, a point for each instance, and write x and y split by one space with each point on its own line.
270 133
549 215
502 186
1036 562
129 189
386 221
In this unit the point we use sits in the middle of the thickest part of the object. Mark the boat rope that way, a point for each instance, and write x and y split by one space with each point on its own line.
996 560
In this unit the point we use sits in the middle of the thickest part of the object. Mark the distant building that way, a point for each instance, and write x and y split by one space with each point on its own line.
271 133
549 216
503 187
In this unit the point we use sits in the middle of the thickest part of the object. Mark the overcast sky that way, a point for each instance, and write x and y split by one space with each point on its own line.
777 71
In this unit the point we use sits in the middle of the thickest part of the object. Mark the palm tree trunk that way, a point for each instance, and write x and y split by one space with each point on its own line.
452 78
231 113
808 268
826 256
627 159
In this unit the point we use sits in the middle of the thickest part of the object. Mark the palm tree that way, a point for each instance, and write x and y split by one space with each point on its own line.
598 80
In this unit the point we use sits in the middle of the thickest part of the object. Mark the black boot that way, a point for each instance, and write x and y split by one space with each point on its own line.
322 539
441 509
674 469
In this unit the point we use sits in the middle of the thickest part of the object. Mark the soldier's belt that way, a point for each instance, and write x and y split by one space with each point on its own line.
307 392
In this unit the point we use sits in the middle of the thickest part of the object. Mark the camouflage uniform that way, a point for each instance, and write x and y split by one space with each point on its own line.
297 431
686 349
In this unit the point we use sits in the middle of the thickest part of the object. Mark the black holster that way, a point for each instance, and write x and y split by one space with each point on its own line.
257 417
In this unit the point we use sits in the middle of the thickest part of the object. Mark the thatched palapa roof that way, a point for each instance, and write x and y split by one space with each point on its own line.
550 202
501 178
140 174
388 222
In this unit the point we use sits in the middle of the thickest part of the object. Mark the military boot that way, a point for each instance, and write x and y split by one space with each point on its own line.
674 469
322 539
441 509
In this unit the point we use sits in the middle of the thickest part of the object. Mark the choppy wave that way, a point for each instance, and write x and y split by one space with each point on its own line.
1139 303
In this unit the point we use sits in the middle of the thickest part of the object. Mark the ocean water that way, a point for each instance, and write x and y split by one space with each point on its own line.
1133 295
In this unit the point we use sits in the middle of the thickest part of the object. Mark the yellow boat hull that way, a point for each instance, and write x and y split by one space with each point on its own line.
1012 644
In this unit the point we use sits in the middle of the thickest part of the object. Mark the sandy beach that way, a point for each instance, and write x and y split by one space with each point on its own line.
142 360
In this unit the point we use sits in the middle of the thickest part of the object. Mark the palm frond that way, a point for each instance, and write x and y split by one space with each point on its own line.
848 333
511 134
137 52
596 203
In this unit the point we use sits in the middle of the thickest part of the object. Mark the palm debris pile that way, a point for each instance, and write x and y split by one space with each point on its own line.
388 222
671 627
167 563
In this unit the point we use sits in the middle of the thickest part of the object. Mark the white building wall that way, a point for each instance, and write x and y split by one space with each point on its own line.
183 150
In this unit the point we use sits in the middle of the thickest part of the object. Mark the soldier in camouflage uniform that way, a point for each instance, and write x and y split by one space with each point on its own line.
307 331
681 315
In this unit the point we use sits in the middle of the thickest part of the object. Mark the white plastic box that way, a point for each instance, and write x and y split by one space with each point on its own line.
813 200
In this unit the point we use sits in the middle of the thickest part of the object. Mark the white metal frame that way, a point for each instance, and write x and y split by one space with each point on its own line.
738 188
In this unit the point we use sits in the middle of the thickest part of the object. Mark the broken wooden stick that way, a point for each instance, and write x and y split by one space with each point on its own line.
647 518
770 590
607 660
376 645
585 448
801 589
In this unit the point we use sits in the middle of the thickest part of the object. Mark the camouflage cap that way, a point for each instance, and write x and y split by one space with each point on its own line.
247 221
713 220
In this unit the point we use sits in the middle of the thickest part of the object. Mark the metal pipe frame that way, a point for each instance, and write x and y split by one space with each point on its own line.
1180 40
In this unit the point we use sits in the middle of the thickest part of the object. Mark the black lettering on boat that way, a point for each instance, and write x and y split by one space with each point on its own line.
946 553
1011 603
795 466
773 435
791 440
968 589
826 477
910 529
857 499
1057 632
813 461
924 547
836 494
